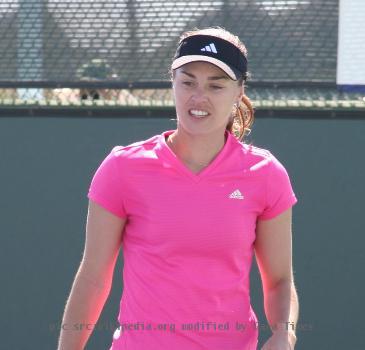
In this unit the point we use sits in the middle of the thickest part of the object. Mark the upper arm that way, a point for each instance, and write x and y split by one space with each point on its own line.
273 248
104 233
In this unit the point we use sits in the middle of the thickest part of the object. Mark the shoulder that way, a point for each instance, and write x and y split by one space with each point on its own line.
263 162
257 159
138 149
255 151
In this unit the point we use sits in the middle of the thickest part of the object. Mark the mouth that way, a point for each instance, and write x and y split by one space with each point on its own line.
198 113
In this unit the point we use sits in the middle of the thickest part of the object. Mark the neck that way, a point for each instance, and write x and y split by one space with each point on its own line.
196 151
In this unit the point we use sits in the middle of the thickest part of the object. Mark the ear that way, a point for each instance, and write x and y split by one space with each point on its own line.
240 94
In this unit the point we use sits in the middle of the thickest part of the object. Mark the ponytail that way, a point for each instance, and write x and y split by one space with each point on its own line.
243 118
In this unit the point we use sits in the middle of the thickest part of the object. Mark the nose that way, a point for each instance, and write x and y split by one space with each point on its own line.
199 95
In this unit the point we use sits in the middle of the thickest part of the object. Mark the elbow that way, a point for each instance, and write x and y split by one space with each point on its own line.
285 282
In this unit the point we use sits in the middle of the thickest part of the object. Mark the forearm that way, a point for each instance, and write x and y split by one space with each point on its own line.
82 311
282 307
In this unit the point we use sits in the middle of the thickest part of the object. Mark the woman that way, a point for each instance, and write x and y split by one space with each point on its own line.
190 207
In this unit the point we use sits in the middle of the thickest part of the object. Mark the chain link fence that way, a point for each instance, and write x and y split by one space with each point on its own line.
118 52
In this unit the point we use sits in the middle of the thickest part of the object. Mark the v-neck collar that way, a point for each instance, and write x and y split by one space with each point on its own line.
179 164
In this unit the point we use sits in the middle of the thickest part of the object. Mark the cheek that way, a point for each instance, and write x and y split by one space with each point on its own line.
224 104
180 97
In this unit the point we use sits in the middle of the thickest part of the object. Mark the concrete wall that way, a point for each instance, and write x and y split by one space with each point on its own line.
46 168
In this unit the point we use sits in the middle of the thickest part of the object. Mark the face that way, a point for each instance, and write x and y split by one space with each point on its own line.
204 97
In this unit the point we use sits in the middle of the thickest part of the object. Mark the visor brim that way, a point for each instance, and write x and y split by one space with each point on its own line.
180 61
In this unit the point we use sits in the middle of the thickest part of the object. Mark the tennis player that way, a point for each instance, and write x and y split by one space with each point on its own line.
190 207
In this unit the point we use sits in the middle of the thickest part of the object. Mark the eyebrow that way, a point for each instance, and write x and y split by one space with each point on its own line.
210 78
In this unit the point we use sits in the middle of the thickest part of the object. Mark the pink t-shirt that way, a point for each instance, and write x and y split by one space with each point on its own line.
188 241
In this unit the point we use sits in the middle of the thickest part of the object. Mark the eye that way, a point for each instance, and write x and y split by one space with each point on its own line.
216 87
187 83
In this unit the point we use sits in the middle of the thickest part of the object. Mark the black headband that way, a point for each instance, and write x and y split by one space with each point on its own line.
212 49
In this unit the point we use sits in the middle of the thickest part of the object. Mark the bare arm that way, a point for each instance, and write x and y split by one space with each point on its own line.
273 249
93 279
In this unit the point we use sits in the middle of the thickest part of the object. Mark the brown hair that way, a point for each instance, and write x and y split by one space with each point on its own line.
243 112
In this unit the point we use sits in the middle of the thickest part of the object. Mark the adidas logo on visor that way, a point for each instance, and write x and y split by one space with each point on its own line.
209 48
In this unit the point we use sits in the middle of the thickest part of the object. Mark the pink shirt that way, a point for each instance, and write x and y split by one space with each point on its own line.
188 241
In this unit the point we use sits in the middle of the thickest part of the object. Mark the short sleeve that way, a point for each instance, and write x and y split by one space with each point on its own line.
279 192
106 188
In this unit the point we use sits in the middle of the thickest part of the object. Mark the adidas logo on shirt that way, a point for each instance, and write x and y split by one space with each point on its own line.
236 195
209 48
